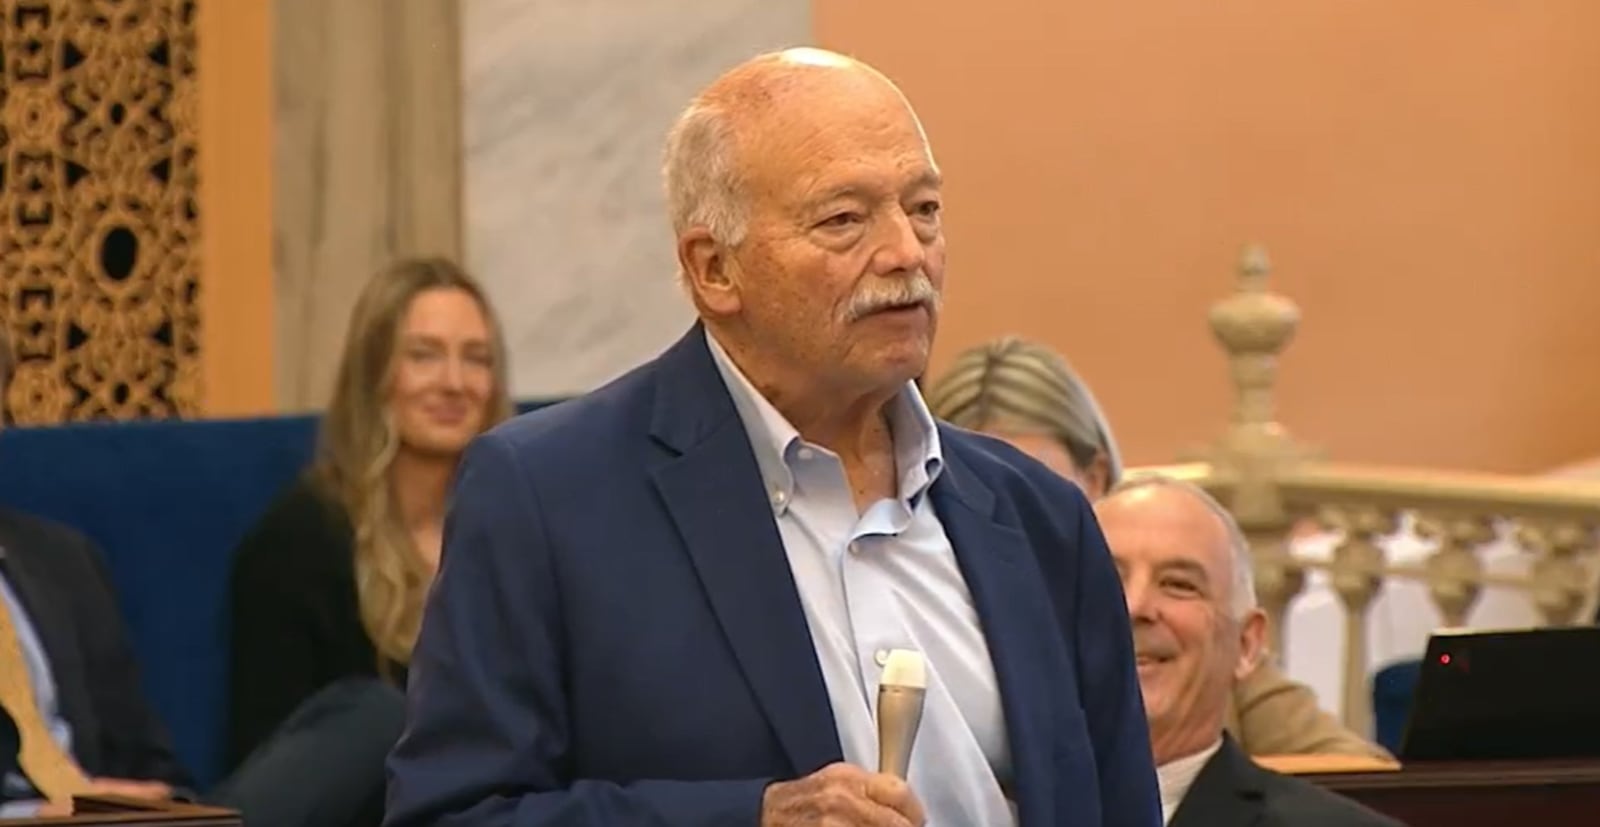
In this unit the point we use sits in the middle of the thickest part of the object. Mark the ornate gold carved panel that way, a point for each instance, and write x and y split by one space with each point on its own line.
99 275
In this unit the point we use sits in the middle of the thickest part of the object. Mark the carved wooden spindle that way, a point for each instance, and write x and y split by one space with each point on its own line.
1254 326
1560 580
1357 577
1455 571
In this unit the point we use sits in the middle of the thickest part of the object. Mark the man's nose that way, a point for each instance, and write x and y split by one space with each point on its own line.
1141 601
900 249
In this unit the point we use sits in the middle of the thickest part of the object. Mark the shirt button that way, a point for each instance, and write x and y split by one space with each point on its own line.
805 453
779 498
881 657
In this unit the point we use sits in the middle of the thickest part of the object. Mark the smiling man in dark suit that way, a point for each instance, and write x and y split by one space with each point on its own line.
1186 573
68 681
59 608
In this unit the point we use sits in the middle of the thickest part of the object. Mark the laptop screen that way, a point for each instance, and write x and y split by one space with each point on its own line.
1502 695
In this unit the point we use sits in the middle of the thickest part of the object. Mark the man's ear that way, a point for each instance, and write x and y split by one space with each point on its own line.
708 271
1252 643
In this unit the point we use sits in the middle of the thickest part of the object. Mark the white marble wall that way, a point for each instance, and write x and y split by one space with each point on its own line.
566 104
366 168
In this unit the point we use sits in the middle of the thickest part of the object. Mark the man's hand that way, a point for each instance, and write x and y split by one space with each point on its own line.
148 790
841 795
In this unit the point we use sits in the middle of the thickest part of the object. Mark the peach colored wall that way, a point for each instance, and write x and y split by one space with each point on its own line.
236 130
1426 175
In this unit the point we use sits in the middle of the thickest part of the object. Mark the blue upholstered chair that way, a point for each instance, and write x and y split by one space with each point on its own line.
1392 688
167 501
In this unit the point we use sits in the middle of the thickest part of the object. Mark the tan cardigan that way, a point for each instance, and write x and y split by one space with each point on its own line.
1273 715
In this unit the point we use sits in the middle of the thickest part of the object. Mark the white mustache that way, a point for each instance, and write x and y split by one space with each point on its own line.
885 295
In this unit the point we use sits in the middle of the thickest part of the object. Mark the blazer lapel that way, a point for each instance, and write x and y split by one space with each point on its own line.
1225 792
714 493
994 560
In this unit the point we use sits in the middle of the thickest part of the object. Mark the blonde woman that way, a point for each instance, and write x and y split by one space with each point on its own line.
329 585
1027 395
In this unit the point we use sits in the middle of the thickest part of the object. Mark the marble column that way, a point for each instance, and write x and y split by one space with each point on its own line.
566 105
367 166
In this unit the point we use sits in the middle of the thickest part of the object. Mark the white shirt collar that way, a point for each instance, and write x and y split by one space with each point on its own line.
1176 777
918 455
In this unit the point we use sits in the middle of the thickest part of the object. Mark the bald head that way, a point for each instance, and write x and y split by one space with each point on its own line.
777 81
807 214
1185 572
741 128
1195 516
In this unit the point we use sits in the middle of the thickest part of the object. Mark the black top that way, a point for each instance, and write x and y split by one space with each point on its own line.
296 623
1233 790
60 578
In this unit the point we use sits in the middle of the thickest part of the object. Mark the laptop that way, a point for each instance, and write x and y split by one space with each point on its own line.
1506 695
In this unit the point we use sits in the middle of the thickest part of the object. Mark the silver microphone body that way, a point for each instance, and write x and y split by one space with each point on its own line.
899 715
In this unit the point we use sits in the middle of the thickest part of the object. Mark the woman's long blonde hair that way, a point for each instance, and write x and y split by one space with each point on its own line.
1014 383
359 439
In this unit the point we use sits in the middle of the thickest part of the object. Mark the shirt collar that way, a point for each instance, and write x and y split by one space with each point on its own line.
919 457
1175 777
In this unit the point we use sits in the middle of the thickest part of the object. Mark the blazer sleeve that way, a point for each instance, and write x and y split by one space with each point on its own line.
1280 716
273 665
134 742
488 742
1108 684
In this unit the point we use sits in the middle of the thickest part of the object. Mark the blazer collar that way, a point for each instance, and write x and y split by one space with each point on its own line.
712 489
691 402
1229 790
996 560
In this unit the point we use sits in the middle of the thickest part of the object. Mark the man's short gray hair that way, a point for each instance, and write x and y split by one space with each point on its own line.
700 168
1244 579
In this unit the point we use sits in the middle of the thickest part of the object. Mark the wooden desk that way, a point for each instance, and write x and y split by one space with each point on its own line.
129 812
1481 794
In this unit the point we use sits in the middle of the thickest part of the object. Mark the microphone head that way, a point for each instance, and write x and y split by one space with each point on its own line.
905 667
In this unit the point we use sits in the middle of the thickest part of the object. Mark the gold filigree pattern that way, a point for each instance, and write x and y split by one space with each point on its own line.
99 219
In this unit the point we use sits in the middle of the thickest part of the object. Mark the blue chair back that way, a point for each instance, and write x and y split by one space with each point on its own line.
167 501
1392 689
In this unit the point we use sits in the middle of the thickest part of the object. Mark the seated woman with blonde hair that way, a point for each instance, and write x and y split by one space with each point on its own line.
328 587
1026 394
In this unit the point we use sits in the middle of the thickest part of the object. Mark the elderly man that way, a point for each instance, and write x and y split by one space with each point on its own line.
1186 573
670 601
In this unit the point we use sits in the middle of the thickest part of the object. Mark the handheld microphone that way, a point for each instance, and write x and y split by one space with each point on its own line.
900 694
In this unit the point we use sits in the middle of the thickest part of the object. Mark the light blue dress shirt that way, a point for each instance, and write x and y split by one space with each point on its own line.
44 692
884 579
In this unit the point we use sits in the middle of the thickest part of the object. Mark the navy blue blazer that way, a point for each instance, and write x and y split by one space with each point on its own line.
615 638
